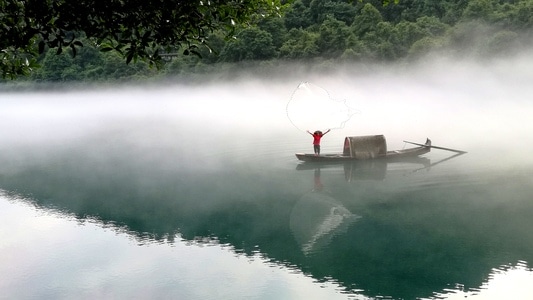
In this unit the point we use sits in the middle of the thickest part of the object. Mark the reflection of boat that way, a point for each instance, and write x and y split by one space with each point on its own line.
377 169
372 169
366 147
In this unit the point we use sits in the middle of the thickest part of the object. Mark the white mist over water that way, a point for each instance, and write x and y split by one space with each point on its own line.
480 107
483 108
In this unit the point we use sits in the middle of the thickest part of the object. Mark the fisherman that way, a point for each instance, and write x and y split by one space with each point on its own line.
317 135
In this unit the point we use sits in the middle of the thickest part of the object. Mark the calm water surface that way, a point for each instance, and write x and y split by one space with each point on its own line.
195 193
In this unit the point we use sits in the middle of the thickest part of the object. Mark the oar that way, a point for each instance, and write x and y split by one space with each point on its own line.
436 147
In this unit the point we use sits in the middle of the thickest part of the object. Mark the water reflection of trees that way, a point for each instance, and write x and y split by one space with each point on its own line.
368 233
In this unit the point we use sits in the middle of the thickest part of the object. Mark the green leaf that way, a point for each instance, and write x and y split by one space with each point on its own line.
129 57
106 49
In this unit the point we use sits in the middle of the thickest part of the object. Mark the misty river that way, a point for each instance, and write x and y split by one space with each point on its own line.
194 192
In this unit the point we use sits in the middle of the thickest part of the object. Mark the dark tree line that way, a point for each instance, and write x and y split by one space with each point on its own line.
329 29
134 29
324 31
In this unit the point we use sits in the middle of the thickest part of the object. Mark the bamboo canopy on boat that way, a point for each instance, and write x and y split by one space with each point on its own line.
364 147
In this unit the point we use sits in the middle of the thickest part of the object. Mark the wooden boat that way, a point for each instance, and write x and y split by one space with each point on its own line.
366 147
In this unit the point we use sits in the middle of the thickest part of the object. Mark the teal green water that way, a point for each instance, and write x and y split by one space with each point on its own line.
397 230
133 204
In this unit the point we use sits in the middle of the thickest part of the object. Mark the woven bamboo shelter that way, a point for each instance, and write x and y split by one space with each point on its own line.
365 147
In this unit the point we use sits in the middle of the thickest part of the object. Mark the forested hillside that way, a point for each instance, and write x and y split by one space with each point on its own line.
328 32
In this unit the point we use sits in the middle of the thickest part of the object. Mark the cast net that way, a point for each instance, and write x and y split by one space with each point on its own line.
312 108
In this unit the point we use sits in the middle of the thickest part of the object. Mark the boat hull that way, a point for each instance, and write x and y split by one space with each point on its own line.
390 155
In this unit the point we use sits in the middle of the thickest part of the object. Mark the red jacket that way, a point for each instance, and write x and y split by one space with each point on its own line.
316 138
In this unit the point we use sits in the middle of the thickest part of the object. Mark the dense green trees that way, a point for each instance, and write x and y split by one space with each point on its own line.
367 30
90 64
249 44
325 31
135 29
